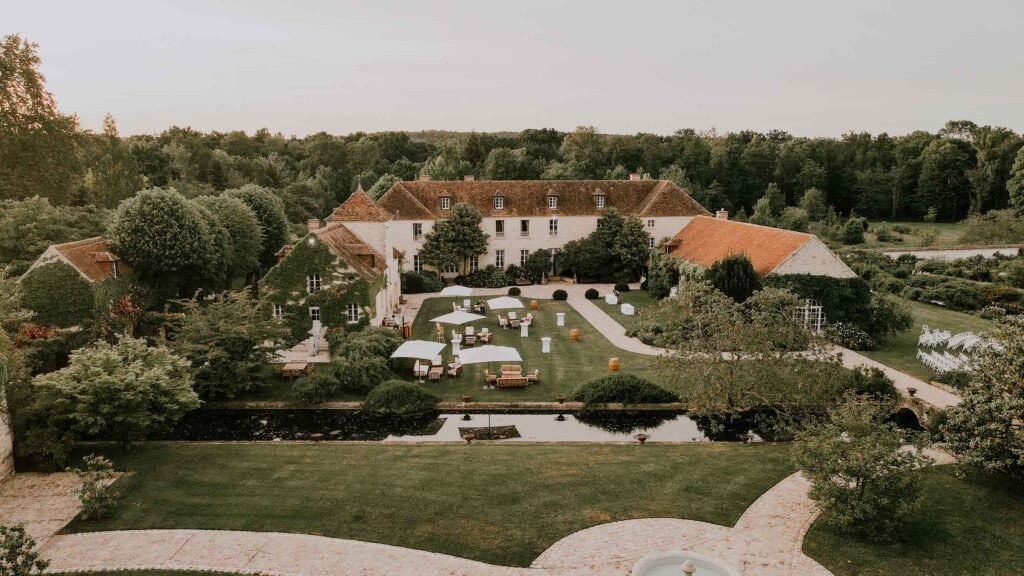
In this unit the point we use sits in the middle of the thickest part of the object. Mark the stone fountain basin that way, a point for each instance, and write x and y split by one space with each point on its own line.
670 564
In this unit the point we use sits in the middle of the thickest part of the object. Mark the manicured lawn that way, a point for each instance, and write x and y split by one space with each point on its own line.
567 366
900 351
640 299
945 234
965 527
503 504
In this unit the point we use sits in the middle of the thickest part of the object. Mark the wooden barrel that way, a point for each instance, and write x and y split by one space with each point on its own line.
613 364
533 305
574 335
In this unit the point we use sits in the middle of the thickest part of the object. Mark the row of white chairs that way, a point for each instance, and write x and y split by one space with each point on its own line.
933 338
944 362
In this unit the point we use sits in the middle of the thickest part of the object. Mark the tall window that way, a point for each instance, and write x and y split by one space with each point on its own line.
523 255
552 202
312 283
352 313
650 242
446 203
499 202
553 227
599 201
474 263
417 263
417 230
499 228
650 223
278 311
450 269
314 313
499 258
524 227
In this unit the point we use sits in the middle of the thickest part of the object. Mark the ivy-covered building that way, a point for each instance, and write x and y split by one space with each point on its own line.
64 286
331 277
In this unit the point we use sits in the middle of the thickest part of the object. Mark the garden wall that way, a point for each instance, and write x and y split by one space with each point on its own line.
6 447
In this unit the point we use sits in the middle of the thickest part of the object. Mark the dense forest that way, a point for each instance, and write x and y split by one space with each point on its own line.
947 175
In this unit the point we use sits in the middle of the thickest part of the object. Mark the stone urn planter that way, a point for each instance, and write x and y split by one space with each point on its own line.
911 391
560 399
641 437
466 399
469 437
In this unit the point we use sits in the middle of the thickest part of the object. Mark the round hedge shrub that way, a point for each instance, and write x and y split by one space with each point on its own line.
872 382
622 388
560 294
400 397
622 287
316 387
514 291
592 294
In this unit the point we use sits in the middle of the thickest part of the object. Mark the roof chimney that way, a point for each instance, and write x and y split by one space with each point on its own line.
469 178
633 177
312 224
722 214
424 177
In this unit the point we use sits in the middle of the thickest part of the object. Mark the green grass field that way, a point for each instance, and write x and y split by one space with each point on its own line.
503 504
965 526
933 234
900 351
640 299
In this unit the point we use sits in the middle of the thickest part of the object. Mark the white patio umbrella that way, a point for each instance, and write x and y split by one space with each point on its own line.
503 302
457 318
419 350
456 291
490 354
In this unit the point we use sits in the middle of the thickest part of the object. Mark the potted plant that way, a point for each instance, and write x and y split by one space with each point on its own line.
641 437
912 391
469 436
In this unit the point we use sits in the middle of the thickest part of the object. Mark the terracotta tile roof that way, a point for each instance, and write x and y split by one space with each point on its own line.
91 257
420 200
706 240
358 207
366 261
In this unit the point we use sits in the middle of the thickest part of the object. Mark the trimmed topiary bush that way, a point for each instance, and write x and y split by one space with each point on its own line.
622 287
316 387
622 388
872 382
514 291
560 294
592 294
400 397
421 282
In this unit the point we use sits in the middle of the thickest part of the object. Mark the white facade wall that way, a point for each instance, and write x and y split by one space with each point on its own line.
377 235
815 258
513 242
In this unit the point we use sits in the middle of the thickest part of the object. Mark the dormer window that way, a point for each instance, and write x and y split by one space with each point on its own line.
599 200
499 202
552 202
446 203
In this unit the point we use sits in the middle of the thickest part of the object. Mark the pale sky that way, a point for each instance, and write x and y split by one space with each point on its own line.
813 68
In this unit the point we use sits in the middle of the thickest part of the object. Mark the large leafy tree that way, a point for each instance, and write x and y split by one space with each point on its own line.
39 146
943 183
861 477
986 429
1015 185
269 212
510 164
28 226
382 185
223 339
165 239
243 228
112 174
456 239
126 391
626 241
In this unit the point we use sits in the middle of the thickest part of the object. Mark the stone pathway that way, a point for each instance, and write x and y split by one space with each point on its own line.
42 503
766 541
925 391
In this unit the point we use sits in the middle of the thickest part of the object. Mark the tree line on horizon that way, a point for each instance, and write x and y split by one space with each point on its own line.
961 169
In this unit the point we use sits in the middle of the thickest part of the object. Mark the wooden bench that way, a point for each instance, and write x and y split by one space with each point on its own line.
513 382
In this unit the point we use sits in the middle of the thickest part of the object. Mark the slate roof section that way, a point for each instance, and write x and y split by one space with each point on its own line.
707 240
91 257
420 200
366 261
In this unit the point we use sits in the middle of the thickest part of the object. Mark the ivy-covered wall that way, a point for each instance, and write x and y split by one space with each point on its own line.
843 299
340 285
58 295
